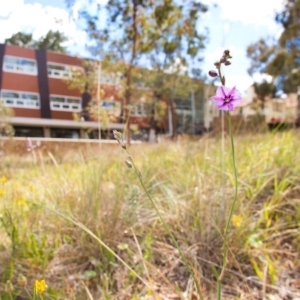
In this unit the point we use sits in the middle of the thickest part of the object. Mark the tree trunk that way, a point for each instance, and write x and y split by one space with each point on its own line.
128 74
174 120
152 134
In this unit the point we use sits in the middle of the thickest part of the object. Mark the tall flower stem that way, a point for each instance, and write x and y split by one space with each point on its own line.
167 228
225 245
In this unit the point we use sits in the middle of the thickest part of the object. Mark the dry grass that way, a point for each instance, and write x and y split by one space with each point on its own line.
81 221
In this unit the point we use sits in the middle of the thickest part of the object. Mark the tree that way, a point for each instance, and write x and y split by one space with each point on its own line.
146 33
264 89
261 54
280 59
20 39
51 41
168 87
88 82
6 113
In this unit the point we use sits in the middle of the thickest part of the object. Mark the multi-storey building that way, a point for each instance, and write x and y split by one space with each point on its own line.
34 84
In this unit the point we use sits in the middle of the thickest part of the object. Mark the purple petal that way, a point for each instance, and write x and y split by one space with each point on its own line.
217 100
236 102
236 97
220 104
232 92
230 106
224 91
223 106
220 92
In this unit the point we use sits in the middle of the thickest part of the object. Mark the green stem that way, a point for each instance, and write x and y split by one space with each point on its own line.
218 282
168 230
218 289
29 295
225 248
234 200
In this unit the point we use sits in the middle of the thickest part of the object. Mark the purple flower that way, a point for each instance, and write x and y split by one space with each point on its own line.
226 98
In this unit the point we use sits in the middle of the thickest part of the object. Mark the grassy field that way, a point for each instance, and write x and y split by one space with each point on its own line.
79 219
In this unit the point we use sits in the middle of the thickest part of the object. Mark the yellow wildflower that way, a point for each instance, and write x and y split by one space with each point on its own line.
40 286
31 187
2 192
20 202
237 221
3 179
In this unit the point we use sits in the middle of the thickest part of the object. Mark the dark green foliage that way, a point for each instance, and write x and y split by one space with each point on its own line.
281 58
20 39
51 41
264 89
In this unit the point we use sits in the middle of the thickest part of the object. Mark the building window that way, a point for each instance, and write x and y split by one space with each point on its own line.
65 103
64 133
108 79
140 110
20 99
28 131
62 71
111 107
19 65
108 105
59 71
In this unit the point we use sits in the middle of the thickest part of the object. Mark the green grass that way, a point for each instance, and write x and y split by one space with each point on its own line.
82 222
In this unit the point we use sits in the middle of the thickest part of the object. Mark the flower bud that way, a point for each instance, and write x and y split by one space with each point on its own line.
117 135
212 73
22 281
227 63
128 163
9 288
226 53
217 64
223 59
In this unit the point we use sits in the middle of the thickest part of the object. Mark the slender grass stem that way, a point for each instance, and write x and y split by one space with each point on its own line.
29 295
167 228
94 236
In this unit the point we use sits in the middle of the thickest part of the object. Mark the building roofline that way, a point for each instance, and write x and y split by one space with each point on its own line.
37 122
65 140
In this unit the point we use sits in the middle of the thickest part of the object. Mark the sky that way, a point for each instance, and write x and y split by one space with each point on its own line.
232 24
